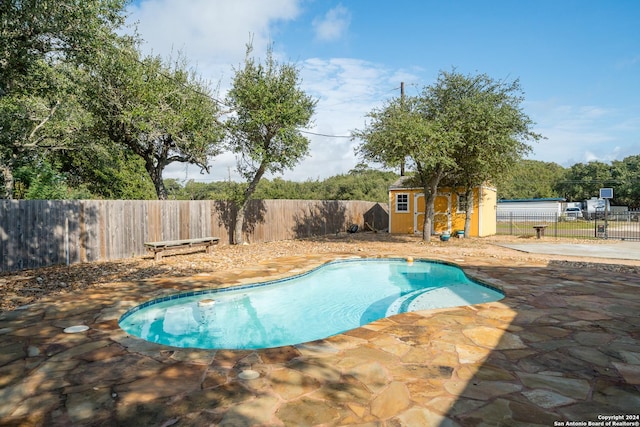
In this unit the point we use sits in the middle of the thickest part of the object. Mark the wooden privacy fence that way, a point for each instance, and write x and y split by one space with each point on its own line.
39 233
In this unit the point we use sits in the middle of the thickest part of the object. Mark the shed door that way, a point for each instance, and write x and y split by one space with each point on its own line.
442 213
441 216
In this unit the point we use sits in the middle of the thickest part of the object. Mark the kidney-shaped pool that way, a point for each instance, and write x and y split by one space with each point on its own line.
333 298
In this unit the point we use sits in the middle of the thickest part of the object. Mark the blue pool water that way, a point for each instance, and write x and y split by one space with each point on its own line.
331 299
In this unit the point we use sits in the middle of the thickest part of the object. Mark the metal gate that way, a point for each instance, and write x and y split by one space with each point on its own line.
618 225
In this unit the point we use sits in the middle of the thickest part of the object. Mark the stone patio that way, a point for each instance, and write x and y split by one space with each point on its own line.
563 345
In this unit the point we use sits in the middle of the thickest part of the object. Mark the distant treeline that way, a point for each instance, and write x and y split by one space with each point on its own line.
528 179
366 185
536 179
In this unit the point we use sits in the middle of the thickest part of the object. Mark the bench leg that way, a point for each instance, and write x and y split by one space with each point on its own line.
157 255
209 249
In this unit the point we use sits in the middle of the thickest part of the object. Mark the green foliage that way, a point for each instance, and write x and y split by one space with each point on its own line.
627 184
107 171
192 190
394 132
160 111
83 114
465 130
41 121
42 41
535 179
269 111
531 179
43 182
51 30
264 132
368 185
493 129
583 181
409 128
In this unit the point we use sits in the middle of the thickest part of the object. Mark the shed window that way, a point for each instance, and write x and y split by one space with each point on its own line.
462 203
402 203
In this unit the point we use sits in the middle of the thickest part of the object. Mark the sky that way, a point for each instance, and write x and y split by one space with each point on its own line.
577 61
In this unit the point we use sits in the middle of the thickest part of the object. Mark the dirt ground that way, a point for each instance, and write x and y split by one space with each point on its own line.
27 286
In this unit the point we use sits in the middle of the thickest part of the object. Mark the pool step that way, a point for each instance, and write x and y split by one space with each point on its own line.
400 305
426 299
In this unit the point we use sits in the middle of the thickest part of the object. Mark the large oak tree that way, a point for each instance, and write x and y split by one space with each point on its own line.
461 130
494 131
159 110
37 37
403 130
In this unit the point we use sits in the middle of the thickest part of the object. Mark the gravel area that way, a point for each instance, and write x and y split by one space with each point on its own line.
25 287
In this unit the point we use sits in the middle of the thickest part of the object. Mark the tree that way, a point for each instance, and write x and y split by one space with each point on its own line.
627 186
38 39
106 170
158 110
46 30
269 109
359 184
583 181
462 130
419 129
531 179
46 118
494 131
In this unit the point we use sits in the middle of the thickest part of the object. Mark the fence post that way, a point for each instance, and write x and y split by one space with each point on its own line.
510 223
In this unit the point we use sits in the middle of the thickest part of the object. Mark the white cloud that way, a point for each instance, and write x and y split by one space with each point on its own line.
346 89
213 34
580 134
333 25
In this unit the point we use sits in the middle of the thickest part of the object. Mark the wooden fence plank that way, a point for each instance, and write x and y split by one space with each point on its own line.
33 233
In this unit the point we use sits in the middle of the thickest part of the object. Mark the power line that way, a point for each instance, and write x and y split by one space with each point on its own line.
223 103
325 135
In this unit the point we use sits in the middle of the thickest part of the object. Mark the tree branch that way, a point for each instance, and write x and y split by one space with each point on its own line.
44 121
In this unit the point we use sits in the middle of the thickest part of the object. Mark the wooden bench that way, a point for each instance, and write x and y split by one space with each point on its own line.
158 247
539 230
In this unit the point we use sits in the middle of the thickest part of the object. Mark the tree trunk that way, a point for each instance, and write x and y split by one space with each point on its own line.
7 174
238 237
429 201
161 191
155 173
430 188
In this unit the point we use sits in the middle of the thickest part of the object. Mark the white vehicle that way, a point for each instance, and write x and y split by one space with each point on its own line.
572 213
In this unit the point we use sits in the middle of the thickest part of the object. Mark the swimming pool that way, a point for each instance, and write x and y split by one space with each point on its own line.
328 300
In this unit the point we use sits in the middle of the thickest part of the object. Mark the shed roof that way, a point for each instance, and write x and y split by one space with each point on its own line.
402 182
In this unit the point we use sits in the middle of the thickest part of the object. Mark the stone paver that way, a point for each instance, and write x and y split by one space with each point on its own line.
563 345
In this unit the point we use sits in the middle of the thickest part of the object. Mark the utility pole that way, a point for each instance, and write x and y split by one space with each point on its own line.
402 103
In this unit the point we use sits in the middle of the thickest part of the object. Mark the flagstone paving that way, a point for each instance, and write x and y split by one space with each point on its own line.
563 345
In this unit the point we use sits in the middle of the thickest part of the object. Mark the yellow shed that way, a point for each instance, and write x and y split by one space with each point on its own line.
407 209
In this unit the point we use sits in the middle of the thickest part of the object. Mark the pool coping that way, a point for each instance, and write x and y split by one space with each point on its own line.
233 288
243 287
